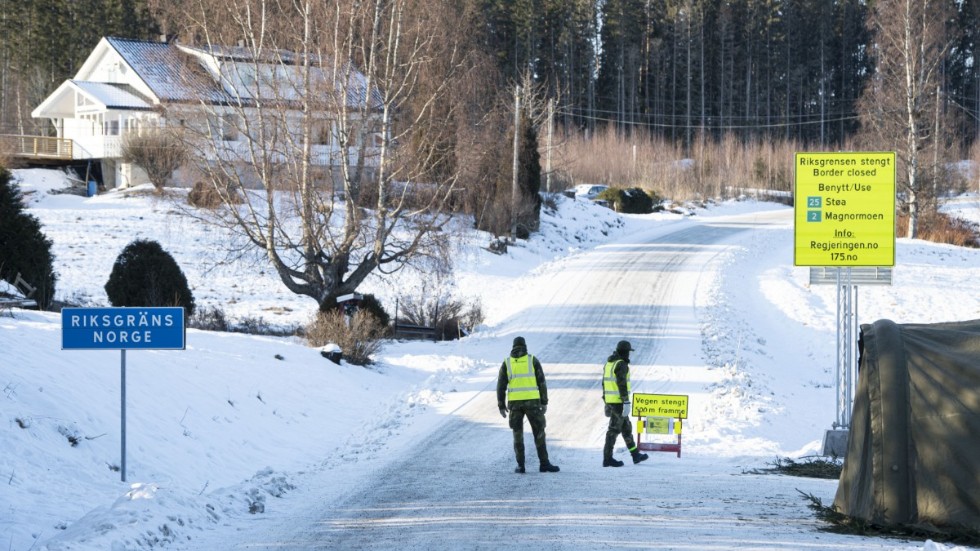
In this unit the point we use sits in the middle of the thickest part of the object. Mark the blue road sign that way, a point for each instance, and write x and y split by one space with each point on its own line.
128 328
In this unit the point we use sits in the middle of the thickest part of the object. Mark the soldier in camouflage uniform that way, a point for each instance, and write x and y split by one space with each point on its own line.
521 383
616 396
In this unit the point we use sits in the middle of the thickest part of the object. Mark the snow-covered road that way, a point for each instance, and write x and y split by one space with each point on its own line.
454 487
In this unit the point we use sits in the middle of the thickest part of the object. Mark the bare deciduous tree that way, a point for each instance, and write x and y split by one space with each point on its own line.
898 107
160 153
333 136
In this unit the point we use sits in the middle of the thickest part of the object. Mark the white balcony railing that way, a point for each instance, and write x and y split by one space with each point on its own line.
320 155
98 147
38 147
110 147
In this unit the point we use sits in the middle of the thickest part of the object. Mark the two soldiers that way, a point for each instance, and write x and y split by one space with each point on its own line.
521 389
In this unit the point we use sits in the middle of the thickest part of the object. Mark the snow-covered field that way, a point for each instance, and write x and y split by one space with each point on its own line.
218 432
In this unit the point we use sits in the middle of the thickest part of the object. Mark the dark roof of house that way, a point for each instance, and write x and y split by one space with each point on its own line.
171 75
175 76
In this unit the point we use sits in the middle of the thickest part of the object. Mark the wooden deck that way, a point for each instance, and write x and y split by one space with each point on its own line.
36 147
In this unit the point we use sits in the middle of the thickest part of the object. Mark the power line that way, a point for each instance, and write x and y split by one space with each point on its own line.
582 113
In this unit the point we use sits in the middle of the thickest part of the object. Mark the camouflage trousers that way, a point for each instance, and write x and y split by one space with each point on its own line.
619 423
535 418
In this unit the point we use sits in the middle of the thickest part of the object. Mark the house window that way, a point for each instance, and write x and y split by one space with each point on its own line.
248 79
90 119
229 128
375 136
322 133
110 127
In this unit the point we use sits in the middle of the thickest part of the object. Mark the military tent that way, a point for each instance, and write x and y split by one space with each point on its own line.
913 453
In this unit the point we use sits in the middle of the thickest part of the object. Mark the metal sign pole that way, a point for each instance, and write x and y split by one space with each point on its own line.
838 422
848 349
845 347
119 328
852 347
122 367
848 330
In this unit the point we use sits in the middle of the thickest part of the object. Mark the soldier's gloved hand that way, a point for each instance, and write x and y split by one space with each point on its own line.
626 406
544 409
608 410
503 410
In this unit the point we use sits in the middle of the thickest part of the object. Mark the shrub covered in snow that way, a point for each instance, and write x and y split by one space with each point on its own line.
633 200
358 335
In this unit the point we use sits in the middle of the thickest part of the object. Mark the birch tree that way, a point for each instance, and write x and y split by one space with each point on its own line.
328 156
898 107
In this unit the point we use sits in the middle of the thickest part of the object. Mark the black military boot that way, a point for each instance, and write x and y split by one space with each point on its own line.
607 452
637 456
549 468
519 456
611 462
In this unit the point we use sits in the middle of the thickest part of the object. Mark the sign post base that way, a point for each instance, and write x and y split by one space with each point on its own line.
660 447
835 442
659 425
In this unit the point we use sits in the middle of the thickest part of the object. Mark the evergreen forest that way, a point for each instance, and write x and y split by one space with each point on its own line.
895 75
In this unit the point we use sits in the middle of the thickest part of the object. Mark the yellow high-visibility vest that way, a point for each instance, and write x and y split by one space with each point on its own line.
521 382
610 388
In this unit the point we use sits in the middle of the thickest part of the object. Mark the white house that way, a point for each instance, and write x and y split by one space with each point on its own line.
130 85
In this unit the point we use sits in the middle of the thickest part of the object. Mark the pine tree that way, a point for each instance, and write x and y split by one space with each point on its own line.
528 209
25 252
619 76
529 173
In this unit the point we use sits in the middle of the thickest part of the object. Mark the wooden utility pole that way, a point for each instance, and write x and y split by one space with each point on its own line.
547 173
514 194
935 147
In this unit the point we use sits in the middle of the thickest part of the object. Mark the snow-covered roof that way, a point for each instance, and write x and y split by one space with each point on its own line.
357 91
62 102
242 53
167 72
113 96
174 75
322 69
145 74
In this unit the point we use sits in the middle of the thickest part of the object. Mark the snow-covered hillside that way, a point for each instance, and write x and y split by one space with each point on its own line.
220 432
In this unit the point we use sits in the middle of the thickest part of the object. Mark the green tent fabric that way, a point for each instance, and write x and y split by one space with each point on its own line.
913 453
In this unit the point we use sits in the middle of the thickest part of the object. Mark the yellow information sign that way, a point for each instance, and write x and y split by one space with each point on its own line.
659 405
844 209
660 425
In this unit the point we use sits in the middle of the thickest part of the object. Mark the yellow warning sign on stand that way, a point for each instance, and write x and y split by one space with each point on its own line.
659 414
